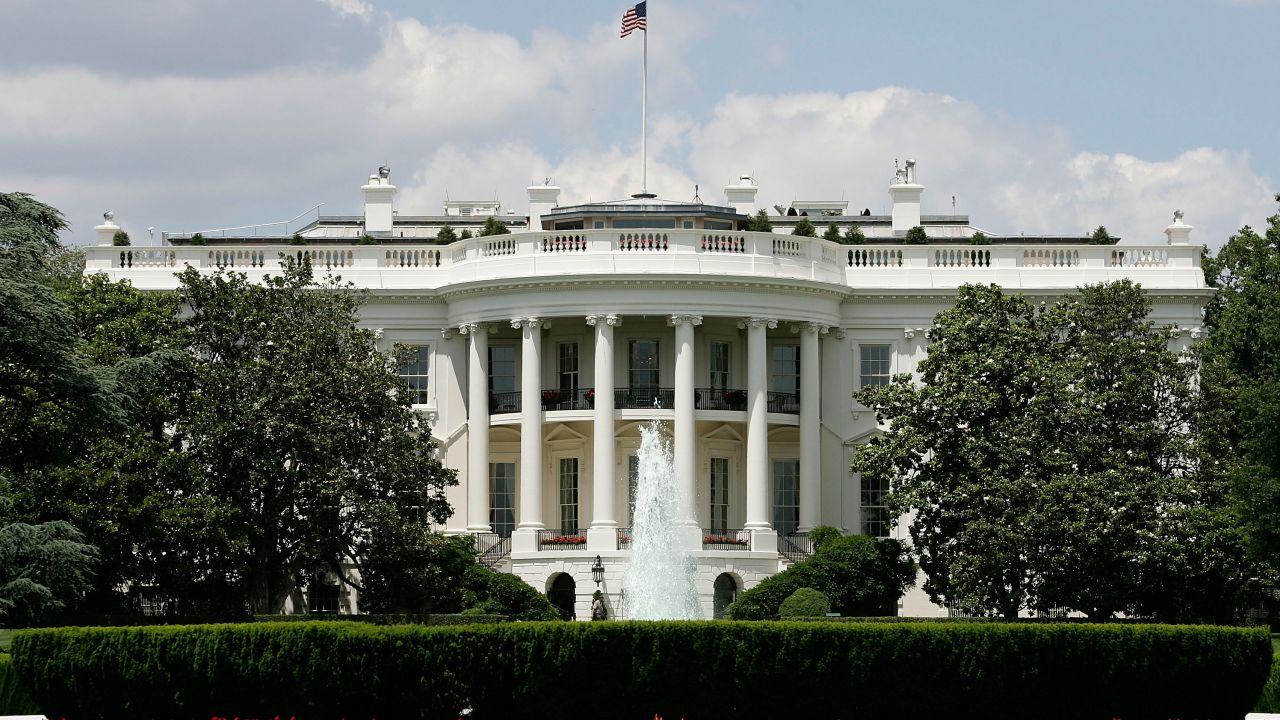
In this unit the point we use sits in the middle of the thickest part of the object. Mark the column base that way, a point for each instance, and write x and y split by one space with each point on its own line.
602 538
524 540
765 540
689 537
479 529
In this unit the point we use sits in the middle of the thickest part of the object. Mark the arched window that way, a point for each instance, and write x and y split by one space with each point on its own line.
563 593
725 592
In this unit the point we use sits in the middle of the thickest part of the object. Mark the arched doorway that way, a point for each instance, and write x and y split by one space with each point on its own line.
563 593
725 591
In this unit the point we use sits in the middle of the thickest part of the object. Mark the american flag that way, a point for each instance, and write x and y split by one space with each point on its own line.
633 19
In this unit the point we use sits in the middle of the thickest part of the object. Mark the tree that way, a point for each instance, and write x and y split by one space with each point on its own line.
980 238
805 228
465 234
832 234
1049 456
1100 236
300 429
1242 381
43 569
494 226
916 236
198 239
445 235
759 222
854 236
415 571
120 239
297 239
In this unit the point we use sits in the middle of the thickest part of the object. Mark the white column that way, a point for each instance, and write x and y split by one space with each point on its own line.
762 537
602 534
686 441
530 521
810 439
477 427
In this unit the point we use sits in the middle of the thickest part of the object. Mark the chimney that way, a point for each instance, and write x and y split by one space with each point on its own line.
906 199
1179 233
106 232
743 195
379 197
542 198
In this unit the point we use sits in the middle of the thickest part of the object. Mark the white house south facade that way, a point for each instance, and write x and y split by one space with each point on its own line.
540 353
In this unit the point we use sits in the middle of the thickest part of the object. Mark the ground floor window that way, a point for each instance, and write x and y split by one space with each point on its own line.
724 592
786 496
719 494
569 495
875 507
323 598
502 498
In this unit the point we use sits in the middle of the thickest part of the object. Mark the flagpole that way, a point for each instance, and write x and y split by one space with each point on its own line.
644 114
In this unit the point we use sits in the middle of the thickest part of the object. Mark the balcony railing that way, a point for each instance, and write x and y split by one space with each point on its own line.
624 538
780 402
720 399
504 402
568 399
731 539
796 547
644 398
564 539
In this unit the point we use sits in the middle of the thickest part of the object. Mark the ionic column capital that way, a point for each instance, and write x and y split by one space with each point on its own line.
606 319
810 327
529 322
446 333
475 328
769 323
694 320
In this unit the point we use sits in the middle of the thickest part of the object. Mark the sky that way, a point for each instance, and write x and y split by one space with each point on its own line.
1037 117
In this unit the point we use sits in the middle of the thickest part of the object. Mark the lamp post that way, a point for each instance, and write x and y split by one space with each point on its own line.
597 571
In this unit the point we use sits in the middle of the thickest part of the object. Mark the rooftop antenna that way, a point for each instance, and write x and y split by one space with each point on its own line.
953 204
696 197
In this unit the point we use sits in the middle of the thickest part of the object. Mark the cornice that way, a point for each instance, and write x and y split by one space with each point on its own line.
666 282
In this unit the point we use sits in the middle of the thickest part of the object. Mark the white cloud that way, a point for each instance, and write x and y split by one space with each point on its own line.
357 8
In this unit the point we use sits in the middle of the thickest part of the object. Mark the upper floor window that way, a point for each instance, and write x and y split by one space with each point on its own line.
502 368
414 373
718 362
567 364
873 365
644 363
784 369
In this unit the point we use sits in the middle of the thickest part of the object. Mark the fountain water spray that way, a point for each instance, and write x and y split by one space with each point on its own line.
658 583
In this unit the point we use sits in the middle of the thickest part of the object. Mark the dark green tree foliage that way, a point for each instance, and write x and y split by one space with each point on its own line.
494 226
198 239
805 228
43 569
499 593
367 239
413 570
759 222
299 428
465 234
446 235
980 238
297 239
120 239
805 602
329 670
1100 236
821 534
1051 461
860 575
916 236
854 236
1242 381
832 234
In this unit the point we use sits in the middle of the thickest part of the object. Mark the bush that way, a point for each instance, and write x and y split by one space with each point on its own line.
676 669
759 222
494 226
1101 237
198 239
861 575
431 619
832 234
14 699
916 236
821 534
854 236
445 235
980 238
805 602
120 239
805 228
367 239
297 239
1270 700
498 593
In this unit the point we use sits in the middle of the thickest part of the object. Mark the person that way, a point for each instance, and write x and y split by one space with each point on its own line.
597 607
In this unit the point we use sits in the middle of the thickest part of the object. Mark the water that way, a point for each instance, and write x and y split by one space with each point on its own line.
658 583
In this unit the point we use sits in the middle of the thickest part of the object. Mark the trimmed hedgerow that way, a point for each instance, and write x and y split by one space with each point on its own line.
632 669
1270 700
392 619
14 699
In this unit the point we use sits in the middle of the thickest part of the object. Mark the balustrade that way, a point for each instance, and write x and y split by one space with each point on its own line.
726 539
563 539
780 402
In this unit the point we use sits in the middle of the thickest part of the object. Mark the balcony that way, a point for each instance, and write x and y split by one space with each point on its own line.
721 399
644 398
568 399
564 539
726 539
733 400
787 403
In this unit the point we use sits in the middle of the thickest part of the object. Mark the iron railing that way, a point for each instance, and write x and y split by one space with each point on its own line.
720 399
624 538
730 539
491 548
568 399
564 539
796 546
780 402
504 402
644 398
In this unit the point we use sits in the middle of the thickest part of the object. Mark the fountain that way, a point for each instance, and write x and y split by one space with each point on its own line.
658 583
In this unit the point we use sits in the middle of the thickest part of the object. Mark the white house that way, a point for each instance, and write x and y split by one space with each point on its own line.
541 352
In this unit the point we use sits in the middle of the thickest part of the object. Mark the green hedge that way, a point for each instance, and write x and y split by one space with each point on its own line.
14 699
1270 700
805 603
633 670
391 619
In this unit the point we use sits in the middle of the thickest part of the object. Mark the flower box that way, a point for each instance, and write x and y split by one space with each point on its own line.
565 540
724 540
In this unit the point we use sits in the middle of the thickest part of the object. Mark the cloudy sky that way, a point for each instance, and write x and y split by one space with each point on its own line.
1038 117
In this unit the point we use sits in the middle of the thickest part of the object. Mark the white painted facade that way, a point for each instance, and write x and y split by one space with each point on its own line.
752 343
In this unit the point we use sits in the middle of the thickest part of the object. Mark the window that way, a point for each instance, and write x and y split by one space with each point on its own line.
873 365
571 225
502 498
502 368
597 225
569 495
687 225
786 496
875 509
718 363
414 373
784 369
717 225
719 494
323 598
633 479
644 364
567 364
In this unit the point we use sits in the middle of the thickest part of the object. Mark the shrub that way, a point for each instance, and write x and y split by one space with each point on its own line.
832 233
14 699
916 236
494 226
805 602
854 236
465 234
367 239
759 222
120 239
461 618
805 228
498 593
297 239
445 235
980 238
198 239
1101 237
1270 700
675 669
821 534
